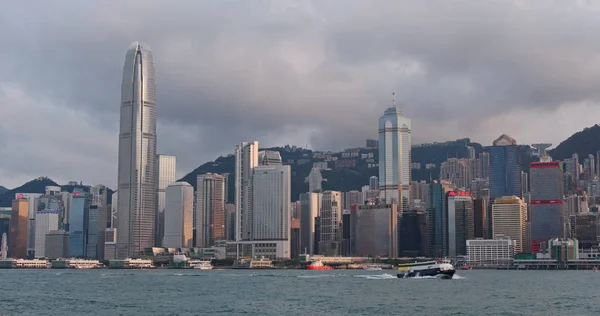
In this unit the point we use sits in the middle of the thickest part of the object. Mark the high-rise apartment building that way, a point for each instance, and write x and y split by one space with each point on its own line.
271 202
482 169
246 158
210 209
166 174
547 215
330 226
394 156
509 219
137 153
45 221
505 168
373 183
19 224
179 208
460 222
309 211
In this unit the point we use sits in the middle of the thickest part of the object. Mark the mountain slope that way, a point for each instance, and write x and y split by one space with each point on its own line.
583 143
2 190
34 186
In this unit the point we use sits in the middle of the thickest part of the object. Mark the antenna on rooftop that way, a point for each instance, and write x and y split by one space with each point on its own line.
394 98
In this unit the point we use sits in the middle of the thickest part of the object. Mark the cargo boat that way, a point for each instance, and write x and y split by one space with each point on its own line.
440 269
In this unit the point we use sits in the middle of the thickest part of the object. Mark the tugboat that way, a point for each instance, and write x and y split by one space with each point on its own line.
440 269
318 265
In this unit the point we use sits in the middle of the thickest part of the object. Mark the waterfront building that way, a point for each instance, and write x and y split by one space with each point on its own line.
210 209
394 156
271 202
100 218
246 158
137 183
19 225
495 252
509 219
45 221
269 249
547 218
330 217
179 208
413 234
309 211
295 249
57 244
5 230
437 218
460 222
110 244
505 168
78 224
166 174
377 231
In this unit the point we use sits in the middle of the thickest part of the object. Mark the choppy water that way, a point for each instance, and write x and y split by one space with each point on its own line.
295 292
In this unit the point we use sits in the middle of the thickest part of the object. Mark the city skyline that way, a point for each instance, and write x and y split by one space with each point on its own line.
440 83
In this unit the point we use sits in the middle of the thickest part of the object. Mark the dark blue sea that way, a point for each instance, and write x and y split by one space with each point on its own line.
296 292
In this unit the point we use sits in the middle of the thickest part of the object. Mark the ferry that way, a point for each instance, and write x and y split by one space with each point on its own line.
317 265
442 269
201 264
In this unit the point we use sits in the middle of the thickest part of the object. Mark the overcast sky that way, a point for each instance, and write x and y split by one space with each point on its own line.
307 73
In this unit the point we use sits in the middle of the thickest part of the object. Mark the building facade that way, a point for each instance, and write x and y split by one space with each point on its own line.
460 222
547 214
179 208
57 245
78 224
509 219
394 156
490 252
210 209
137 153
19 225
309 212
166 174
505 168
271 211
45 221
377 231
246 158
330 223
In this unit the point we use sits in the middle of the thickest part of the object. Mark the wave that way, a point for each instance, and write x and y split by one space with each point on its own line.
315 276
385 276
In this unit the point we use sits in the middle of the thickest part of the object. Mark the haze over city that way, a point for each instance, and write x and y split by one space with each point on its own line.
288 72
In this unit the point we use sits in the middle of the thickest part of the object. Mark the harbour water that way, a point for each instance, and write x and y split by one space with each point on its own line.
295 292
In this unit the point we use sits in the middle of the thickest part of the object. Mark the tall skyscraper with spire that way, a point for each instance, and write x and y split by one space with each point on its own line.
137 154
394 156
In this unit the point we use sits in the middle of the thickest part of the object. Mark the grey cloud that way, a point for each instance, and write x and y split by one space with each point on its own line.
304 72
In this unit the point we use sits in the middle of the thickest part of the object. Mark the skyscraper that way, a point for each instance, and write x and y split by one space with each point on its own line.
210 209
271 202
137 153
394 156
179 208
509 216
547 216
460 222
330 217
19 222
166 174
78 223
437 218
505 168
45 221
246 158
309 211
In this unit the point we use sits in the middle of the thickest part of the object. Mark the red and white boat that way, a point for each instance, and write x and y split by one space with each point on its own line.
318 265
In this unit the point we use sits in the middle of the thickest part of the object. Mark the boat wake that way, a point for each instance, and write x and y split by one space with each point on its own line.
384 276
319 276
457 277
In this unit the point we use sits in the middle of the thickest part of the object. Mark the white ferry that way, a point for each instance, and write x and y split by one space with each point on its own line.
442 269
200 264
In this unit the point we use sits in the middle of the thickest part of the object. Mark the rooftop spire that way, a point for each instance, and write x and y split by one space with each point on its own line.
394 98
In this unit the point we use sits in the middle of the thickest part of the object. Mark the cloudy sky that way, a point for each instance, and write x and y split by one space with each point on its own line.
308 73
